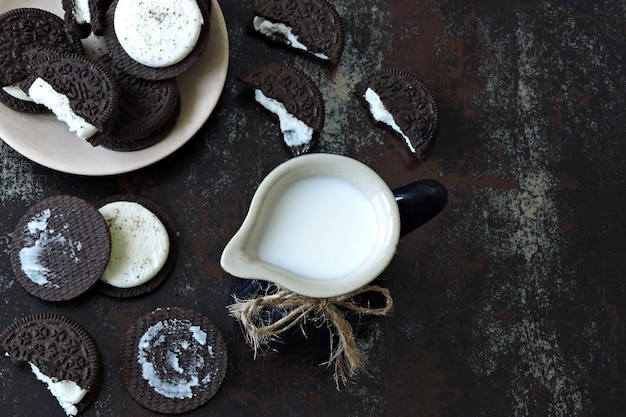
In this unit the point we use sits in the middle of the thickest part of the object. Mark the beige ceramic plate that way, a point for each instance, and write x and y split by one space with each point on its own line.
43 139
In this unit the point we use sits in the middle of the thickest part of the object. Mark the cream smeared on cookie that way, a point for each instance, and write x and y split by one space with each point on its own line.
139 244
158 33
68 393
43 93
179 349
295 131
43 239
382 115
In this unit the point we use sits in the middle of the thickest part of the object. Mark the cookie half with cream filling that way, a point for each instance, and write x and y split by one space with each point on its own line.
60 353
310 26
60 248
294 98
144 246
80 92
404 104
157 39
173 360
21 30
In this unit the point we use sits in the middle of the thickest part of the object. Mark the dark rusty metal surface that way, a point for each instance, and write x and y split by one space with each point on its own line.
509 303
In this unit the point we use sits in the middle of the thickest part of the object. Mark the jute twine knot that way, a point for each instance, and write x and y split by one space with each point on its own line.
347 358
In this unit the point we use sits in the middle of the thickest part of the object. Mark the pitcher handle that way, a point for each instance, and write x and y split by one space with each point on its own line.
419 202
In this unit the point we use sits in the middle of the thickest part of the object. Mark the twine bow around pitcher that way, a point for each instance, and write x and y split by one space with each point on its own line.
345 355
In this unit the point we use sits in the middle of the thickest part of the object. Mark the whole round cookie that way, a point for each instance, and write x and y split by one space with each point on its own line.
22 29
60 353
403 103
144 246
293 96
155 39
60 248
173 360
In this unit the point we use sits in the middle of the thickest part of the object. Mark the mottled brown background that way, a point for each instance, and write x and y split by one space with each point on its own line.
510 303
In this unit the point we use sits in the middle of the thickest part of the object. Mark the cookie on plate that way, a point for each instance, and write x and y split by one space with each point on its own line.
311 26
147 141
157 39
147 110
403 103
60 353
20 30
80 92
294 98
144 246
173 360
60 248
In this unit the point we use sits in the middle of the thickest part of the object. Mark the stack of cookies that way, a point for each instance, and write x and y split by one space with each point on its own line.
125 100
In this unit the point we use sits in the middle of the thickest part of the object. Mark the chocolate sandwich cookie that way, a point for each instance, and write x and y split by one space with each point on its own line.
403 103
157 39
60 248
79 91
20 30
293 97
173 360
311 26
147 110
60 353
83 18
147 141
144 246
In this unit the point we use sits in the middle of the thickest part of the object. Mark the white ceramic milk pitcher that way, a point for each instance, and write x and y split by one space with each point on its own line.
323 225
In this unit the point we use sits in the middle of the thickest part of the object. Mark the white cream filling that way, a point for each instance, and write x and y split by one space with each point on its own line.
382 115
267 27
295 131
158 33
82 14
43 93
67 393
139 244
15 91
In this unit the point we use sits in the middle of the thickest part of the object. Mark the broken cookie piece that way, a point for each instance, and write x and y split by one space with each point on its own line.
60 353
294 98
313 27
403 103
81 93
